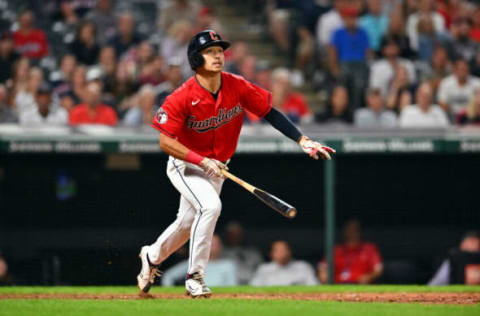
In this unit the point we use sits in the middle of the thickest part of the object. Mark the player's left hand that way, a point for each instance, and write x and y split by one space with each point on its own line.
315 149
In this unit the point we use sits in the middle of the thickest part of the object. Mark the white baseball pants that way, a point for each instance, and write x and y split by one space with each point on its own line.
197 215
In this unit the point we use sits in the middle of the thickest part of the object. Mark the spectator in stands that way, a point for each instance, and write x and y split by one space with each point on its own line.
475 34
85 47
69 16
246 258
396 31
239 52
107 66
356 261
382 72
176 44
174 80
104 19
292 104
25 98
29 41
424 113
455 91
126 37
145 108
278 15
398 88
219 272
19 81
471 114
62 78
178 10
461 44
439 69
462 265
375 114
8 57
45 112
428 38
79 83
93 111
329 22
248 67
149 67
283 269
348 52
425 11
375 23
263 74
207 21
5 278
7 115
338 110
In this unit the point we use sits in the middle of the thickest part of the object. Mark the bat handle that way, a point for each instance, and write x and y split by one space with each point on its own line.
239 181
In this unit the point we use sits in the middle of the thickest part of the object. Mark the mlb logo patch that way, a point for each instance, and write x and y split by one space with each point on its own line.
161 116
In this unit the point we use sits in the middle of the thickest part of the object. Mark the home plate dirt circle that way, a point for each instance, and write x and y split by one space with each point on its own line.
427 298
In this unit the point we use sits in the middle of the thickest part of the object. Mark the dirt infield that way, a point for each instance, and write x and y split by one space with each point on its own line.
428 298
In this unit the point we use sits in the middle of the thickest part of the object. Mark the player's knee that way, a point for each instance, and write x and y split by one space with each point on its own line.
214 208
186 223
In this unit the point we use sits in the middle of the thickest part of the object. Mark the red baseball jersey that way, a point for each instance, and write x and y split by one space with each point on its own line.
31 45
208 127
352 263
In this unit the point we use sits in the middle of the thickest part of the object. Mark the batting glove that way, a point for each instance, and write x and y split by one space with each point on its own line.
213 167
315 149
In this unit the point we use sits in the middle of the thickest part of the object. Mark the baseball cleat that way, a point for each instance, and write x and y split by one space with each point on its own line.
147 274
196 287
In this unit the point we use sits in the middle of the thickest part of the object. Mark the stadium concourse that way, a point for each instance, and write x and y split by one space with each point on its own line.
393 85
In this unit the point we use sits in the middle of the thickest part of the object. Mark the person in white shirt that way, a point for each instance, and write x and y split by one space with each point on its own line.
220 271
375 114
424 113
382 72
45 112
283 270
425 9
456 90
328 23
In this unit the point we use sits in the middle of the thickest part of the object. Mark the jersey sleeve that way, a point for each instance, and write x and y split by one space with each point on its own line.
374 255
169 118
255 99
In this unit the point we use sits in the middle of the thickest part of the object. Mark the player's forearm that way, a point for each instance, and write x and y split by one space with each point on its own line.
176 149
281 123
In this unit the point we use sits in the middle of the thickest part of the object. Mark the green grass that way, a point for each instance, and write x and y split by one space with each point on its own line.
245 289
227 307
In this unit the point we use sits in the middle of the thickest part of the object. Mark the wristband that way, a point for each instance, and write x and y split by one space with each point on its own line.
193 157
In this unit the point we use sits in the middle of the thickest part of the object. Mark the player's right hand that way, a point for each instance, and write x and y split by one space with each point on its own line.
213 167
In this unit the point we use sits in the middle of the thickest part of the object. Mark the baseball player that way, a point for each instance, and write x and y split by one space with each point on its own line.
199 125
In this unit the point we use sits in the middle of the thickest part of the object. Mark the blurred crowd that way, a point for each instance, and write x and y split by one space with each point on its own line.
368 63
385 62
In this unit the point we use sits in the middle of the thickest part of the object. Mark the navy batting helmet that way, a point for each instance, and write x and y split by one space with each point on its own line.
201 41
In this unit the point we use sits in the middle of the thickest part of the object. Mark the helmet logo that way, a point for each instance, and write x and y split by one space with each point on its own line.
214 36
202 40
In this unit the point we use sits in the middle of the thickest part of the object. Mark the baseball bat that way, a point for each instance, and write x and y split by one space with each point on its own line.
271 200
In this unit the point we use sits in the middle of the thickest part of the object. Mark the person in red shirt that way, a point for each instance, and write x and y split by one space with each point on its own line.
356 261
93 111
29 41
290 103
199 125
